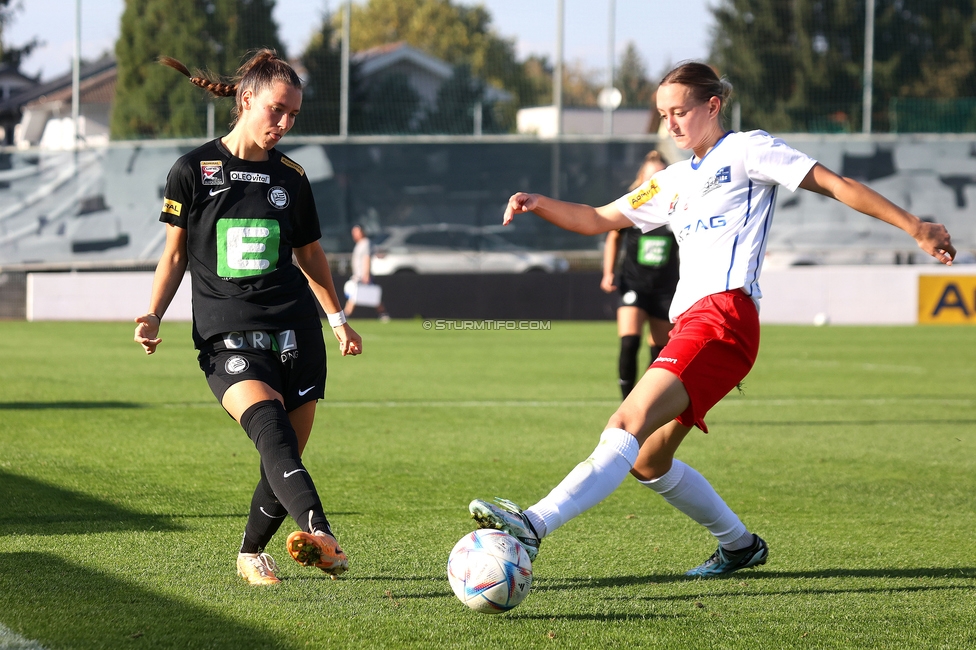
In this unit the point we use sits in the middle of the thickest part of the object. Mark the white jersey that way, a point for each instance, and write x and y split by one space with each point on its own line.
720 209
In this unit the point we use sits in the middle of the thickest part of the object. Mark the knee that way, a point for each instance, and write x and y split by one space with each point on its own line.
617 421
266 423
649 469
628 420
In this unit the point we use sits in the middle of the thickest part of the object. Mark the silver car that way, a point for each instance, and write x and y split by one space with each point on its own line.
449 248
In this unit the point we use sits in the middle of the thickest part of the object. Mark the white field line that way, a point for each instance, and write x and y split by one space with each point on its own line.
812 401
880 401
9 640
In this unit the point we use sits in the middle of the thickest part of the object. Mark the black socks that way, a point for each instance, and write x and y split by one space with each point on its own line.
265 518
627 368
285 483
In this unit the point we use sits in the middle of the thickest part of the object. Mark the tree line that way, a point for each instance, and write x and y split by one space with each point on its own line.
214 35
799 65
796 65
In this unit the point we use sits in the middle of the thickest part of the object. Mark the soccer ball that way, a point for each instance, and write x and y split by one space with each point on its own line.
489 571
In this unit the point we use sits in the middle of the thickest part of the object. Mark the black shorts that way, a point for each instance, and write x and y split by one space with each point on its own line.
299 380
656 304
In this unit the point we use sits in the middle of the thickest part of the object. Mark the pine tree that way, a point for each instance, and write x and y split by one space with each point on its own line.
631 79
235 29
799 65
215 36
322 60
10 54
387 105
151 100
457 99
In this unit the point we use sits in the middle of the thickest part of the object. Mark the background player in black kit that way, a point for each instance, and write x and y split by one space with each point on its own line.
646 280
236 211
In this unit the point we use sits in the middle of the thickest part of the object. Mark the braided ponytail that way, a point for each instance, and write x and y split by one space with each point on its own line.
264 69
215 88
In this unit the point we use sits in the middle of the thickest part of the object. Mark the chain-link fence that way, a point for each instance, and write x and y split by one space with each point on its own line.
797 66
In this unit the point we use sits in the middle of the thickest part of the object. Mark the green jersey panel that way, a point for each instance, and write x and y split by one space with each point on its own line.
653 251
247 247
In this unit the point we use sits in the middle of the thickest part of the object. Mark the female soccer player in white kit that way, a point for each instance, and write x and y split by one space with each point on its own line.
720 206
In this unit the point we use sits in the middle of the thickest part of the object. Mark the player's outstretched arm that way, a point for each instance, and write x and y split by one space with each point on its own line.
575 217
166 280
314 264
933 238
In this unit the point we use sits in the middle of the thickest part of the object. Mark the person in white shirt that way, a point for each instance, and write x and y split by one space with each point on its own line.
359 263
720 206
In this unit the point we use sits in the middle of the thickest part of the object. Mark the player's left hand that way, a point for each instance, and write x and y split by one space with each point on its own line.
933 238
350 343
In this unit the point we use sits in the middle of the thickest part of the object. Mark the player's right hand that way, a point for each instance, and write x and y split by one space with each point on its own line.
520 202
147 332
607 283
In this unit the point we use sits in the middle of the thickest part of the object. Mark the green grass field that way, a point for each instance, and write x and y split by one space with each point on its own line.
124 490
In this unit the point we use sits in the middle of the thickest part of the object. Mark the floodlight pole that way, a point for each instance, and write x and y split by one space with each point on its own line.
868 98
557 78
211 121
557 99
608 110
344 74
76 77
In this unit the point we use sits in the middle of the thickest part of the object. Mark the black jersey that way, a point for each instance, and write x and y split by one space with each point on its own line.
650 260
243 219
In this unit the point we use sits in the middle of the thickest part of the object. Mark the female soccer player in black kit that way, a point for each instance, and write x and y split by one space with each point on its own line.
646 281
236 210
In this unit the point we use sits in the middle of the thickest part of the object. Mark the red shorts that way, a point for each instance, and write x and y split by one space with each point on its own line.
713 346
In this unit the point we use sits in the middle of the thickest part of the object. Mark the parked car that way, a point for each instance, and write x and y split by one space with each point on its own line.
448 248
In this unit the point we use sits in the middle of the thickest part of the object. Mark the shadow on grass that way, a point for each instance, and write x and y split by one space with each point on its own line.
966 573
63 605
40 406
438 585
593 617
31 507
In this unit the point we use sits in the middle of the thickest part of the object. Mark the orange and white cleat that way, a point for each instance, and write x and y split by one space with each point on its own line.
257 568
320 550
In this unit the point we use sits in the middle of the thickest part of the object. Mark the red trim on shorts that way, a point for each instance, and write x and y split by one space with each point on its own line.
713 346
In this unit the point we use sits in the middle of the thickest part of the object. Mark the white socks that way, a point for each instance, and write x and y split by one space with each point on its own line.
598 476
688 491
588 484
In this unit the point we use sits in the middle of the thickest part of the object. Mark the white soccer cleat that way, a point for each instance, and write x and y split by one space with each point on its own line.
505 515
257 568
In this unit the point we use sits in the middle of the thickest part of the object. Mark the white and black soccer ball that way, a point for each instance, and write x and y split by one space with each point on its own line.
489 571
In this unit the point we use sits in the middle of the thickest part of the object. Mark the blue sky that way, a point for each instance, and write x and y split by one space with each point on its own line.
662 33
